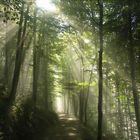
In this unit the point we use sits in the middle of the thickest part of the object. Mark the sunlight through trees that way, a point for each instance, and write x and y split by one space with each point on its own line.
79 60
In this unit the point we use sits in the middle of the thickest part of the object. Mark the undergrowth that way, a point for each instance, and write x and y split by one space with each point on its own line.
28 123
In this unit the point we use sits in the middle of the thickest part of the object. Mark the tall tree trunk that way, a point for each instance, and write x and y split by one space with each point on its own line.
106 98
130 116
69 86
100 96
34 61
132 69
74 101
81 96
87 96
120 119
19 51
83 89
46 81
6 74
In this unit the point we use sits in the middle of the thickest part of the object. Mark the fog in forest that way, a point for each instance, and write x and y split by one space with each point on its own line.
69 70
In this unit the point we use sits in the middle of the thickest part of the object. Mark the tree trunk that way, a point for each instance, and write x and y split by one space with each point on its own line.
130 116
34 61
81 96
87 96
120 118
6 74
132 70
46 81
20 44
100 96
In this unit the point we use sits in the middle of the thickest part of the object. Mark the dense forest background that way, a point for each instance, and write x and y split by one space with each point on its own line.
82 59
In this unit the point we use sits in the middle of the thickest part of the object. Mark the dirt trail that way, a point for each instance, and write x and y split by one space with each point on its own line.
68 129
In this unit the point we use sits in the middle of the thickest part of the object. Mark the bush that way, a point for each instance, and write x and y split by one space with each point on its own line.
87 134
30 123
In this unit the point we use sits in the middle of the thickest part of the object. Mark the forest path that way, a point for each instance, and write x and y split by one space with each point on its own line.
69 128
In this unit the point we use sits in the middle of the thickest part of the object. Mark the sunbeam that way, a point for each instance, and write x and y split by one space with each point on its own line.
46 5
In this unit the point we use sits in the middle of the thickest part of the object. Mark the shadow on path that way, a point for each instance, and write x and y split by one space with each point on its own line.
68 129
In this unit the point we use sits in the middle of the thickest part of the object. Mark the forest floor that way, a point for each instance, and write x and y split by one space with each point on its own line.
68 128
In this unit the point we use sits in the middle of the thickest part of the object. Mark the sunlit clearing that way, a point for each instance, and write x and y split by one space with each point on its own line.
71 119
62 115
59 104
71 134
46 5
86 40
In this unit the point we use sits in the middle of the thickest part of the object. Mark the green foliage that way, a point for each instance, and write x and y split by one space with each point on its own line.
30 123
67 48
88 134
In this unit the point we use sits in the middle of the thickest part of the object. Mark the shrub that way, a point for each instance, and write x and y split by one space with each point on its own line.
29 123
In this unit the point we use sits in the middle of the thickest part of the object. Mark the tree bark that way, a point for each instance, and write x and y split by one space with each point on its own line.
132 69
87 96
81 96
100 96
120 118
34 61
46 81
20 44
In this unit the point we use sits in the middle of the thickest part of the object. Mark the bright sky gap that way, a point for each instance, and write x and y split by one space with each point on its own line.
46 5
